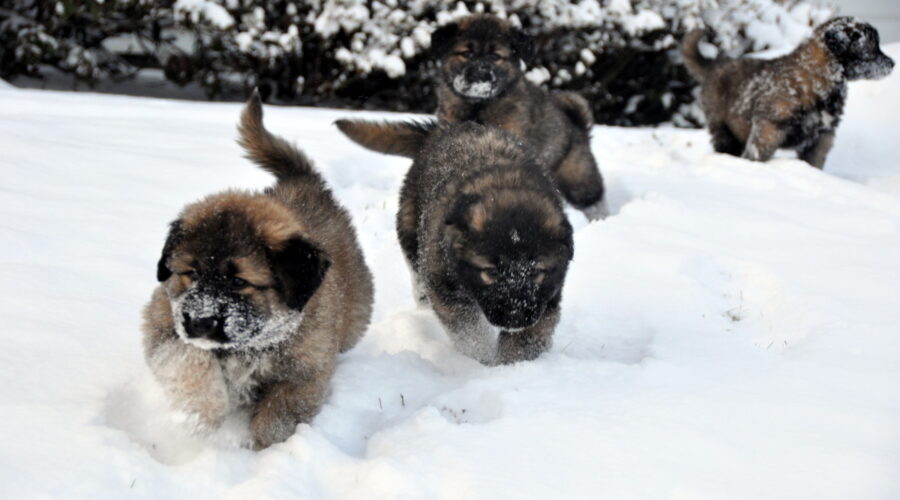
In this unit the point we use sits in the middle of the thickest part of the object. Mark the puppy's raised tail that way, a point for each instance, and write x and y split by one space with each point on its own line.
576 108
393 138
270 152
696 63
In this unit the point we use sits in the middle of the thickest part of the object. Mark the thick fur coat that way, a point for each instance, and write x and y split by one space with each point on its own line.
754 107
481 80
483 231
259 292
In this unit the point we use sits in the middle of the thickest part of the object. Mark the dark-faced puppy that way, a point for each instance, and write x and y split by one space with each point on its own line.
258 293
483 231
481 80
753 107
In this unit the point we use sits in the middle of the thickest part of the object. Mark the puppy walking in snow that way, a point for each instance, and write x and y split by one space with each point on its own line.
481 80
259 293
754 107
483 230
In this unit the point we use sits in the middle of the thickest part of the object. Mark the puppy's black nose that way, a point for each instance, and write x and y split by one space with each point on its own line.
200 327
479 73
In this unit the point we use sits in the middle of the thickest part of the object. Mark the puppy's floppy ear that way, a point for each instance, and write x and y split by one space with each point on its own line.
175 234
442 39
837 34
837 41
299 268
522 45
458 215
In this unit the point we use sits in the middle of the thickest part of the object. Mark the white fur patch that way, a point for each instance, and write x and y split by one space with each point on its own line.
242 375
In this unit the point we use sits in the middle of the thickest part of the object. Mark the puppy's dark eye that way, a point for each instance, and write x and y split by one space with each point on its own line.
493 57
465 53
238 283
192 274
855 35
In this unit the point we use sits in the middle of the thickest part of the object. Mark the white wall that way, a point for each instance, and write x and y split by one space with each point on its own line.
883 14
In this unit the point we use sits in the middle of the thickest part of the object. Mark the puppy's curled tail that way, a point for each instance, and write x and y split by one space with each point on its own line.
270 152
393 138
696 63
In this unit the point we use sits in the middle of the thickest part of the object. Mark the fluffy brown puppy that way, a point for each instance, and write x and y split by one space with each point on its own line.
259 292
481 80
483 231
754 107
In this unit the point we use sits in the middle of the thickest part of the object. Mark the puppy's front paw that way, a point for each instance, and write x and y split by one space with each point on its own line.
521 346
268 428
193 382
597 211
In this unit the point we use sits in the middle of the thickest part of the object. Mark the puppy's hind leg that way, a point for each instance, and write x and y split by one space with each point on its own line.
765 138
816 153
579 180
529 343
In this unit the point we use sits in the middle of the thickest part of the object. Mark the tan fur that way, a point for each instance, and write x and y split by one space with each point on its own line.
274 221
254 270
289 383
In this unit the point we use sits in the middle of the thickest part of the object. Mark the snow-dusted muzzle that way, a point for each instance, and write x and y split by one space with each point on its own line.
876 68
209 319
515 301
477 80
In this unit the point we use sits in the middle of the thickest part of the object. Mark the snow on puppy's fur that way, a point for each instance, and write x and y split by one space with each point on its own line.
481 80
754 107
258 294
482 229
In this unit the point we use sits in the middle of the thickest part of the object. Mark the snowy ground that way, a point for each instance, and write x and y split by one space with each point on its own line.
733 331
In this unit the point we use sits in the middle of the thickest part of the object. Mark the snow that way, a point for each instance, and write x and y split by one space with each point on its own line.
731 331
207 10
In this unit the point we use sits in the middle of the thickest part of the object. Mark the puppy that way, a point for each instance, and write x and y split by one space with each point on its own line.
483 231
258 293
480 79
753 107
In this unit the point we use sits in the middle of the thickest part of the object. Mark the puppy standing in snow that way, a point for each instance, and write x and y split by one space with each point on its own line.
754 107
483 231
481 80
259 293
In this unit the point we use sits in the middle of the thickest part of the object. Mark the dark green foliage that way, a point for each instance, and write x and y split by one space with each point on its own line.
368 54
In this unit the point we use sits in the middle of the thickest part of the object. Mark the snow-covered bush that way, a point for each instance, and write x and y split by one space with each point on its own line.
70 35
621 54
